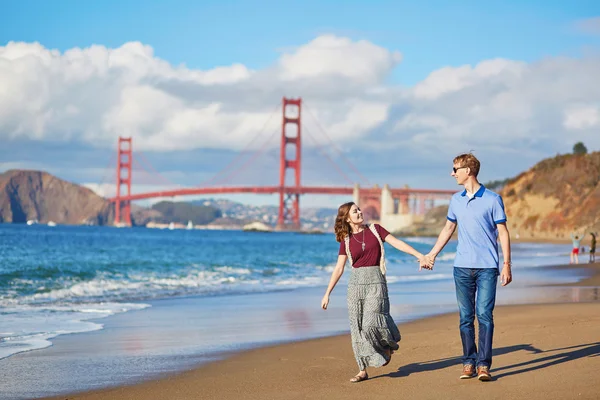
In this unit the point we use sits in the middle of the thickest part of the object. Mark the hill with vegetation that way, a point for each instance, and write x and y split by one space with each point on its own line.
36 195
180 212
555 197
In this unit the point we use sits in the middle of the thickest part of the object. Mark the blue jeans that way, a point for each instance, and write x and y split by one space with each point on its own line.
469 282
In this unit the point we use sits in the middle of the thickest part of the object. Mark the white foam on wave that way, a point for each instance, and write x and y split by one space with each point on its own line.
135 286
11 346
450 256
327 268
233 270
303 281
28 327
194 280
421 239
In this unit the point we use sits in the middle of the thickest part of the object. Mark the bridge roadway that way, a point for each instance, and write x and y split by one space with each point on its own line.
277 189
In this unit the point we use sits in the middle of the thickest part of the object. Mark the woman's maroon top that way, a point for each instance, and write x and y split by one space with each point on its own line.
372 253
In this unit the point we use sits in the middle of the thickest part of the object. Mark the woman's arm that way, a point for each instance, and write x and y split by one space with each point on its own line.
335 277
424 261
402 246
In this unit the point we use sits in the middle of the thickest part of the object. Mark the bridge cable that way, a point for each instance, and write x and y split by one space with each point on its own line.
320 149
153 171
335 147
240 154
136 165
254 156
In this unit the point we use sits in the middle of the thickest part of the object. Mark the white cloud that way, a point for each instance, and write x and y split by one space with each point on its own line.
582 117
589 25
95 94
502 105
329 55
450 79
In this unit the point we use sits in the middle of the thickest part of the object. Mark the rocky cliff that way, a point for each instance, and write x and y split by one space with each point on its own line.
36 195
555 197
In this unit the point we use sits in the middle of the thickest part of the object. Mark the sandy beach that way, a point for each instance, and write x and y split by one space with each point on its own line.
546 351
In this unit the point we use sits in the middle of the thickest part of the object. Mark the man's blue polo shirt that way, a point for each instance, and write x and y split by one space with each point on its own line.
477 218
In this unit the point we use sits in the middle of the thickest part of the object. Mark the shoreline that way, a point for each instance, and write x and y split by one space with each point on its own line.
272 370
592 280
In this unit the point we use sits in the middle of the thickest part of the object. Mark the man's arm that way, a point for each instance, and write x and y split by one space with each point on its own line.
442 240
504 236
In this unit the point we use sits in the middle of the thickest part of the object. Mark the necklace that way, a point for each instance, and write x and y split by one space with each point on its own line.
363 239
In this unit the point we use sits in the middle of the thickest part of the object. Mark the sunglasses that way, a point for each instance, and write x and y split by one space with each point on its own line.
456 169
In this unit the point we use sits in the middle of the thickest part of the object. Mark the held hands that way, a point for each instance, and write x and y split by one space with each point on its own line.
426 261
325 302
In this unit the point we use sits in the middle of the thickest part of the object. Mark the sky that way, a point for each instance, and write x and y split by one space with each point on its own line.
391 89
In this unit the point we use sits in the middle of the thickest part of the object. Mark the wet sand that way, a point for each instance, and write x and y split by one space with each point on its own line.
592 269
548 351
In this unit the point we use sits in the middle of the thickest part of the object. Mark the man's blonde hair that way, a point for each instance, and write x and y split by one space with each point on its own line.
468 160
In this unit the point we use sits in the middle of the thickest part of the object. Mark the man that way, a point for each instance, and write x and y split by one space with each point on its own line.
593 248
481 219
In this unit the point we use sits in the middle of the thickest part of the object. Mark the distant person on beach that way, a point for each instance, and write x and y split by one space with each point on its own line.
593 248
481 219
576 239
374 334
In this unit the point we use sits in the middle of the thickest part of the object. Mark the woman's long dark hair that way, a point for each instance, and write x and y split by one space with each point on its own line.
342 227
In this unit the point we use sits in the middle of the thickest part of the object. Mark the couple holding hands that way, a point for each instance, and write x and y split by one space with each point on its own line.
481 220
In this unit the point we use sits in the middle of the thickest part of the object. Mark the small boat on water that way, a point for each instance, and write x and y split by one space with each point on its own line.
171 226
190 225
51 223
32 222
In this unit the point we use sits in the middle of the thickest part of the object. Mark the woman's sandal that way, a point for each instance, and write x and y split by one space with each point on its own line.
359 378
390 353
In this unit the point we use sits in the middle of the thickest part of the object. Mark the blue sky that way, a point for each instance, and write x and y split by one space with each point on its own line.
431 36
204 34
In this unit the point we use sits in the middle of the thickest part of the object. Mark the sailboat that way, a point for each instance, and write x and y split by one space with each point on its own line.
190 225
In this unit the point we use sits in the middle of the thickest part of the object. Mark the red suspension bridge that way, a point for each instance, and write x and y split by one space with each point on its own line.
376 202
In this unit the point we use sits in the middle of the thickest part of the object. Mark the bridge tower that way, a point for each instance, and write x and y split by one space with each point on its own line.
124 164
289 203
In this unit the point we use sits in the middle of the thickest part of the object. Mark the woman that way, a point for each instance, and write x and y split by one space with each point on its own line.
374 334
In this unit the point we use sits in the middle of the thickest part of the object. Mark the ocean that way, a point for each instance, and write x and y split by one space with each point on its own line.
199 294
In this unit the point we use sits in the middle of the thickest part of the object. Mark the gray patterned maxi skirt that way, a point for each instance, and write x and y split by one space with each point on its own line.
372 329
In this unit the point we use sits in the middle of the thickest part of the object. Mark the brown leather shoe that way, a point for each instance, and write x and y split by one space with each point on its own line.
483 373
468 371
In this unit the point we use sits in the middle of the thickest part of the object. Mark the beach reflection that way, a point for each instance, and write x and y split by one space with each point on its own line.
297 321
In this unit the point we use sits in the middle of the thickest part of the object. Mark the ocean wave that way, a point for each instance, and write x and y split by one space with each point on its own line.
450 256
421 239
194 279
29 327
